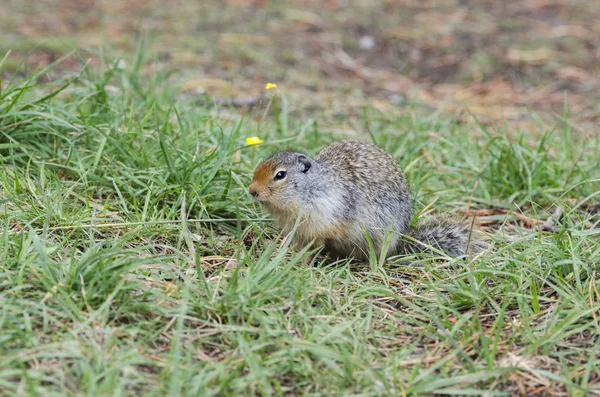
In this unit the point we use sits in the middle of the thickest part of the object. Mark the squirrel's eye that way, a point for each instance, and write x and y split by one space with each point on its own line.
280 175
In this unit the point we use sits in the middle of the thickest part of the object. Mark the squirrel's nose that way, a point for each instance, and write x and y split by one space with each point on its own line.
253 192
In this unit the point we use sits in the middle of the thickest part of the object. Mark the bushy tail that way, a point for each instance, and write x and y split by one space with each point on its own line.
446 234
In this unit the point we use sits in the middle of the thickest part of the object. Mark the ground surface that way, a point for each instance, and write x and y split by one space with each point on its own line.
512 60
132 261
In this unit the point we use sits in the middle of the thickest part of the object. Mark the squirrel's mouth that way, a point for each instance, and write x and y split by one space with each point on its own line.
258 198
268 206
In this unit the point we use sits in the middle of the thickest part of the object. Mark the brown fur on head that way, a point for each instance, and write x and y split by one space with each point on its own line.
263 183
275 179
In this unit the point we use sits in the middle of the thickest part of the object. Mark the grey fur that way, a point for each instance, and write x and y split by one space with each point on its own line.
350 189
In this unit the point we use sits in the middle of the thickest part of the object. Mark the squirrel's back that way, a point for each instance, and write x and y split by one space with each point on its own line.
366 167
378 196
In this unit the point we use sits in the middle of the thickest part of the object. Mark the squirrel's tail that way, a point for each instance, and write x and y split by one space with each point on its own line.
446 234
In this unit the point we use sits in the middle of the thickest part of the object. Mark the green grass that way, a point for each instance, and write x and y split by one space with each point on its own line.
120 205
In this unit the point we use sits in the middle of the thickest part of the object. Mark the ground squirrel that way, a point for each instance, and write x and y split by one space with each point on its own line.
348 191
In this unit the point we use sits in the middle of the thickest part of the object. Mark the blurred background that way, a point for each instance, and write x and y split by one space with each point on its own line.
515 61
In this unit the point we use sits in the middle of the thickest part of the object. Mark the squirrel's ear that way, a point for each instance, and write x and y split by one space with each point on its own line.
305 162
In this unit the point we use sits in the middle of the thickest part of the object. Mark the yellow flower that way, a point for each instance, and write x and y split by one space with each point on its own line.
270 85
254 140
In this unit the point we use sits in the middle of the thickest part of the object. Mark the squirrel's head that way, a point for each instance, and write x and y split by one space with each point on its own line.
275 180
